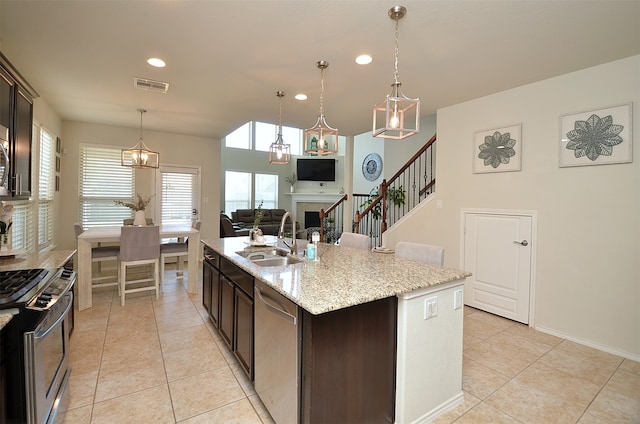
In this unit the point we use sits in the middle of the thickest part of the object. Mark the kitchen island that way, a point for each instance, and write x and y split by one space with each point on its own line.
380 337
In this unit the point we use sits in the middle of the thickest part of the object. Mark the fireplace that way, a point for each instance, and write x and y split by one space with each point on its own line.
311 219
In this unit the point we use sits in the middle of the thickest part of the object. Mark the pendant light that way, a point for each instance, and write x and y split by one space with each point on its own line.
139 156
321 139
279 153
397 116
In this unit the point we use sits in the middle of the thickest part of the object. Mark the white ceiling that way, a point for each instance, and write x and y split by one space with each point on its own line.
227 58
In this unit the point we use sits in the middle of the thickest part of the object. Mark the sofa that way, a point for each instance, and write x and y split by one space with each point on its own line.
270 223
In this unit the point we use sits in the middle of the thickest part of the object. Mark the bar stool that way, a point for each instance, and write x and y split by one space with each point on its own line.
138 246
359 241
168 250
100 254
426 253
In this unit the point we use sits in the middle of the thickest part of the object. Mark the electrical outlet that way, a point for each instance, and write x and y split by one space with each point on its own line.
430 307
457 299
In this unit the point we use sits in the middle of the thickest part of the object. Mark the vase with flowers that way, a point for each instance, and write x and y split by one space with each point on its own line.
255 234
5 225
291 179
137 207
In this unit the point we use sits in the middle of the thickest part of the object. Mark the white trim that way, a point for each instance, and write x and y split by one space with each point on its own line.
534 246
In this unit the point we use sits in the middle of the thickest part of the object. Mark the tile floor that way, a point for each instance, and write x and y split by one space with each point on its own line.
162 362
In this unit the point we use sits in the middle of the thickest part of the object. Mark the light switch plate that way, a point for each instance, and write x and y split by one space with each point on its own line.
431 307
457 299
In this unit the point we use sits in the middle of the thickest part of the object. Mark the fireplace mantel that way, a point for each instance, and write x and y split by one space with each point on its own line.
323 198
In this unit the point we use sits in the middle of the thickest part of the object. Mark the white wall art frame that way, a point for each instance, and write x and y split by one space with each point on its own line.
596 137
498 150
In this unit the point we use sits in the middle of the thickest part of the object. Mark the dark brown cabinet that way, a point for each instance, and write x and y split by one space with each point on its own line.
16 114
227 294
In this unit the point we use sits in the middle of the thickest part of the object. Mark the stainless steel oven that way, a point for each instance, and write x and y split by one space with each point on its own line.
35 349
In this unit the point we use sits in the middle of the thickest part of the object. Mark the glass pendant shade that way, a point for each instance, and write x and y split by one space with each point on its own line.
279 153
140 156
398 116
321 139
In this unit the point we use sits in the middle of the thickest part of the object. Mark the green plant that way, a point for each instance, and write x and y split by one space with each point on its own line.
396 196
291 179
140 205
258 216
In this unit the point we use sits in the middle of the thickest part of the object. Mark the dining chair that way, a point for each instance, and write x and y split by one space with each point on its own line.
138 246
426 253
168 250
100 254
359 241
129 221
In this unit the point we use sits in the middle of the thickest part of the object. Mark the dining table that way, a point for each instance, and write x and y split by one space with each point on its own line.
111 234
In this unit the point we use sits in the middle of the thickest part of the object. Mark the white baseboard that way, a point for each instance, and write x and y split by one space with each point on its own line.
440 409
589 343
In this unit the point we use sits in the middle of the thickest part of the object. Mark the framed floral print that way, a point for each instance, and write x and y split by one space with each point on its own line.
498 150
596 137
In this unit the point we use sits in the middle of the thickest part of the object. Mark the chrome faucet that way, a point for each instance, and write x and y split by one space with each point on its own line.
293 247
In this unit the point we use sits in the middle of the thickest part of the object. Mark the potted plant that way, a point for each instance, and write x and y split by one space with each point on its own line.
255 234
138 207
291 179
395 195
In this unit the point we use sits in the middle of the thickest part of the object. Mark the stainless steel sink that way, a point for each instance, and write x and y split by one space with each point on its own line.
277 261
270 257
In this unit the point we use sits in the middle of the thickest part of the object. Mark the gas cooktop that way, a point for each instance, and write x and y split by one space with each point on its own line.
14 284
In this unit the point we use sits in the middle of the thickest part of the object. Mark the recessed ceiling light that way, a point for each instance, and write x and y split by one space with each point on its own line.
301 96
364 59
158 63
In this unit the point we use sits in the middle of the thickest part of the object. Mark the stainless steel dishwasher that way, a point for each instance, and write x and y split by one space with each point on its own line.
277 361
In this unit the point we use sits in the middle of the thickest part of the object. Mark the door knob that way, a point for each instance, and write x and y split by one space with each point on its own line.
523 242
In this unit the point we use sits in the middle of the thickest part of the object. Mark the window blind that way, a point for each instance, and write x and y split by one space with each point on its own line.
102 181
46 188
179 197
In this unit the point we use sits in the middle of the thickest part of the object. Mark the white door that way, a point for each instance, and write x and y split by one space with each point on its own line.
498 251
178 192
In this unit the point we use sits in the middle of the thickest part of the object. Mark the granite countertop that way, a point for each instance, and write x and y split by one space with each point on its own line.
342 277
52 259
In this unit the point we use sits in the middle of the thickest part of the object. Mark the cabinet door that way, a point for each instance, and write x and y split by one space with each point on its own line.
207 270
21 155
6 99
244 331
214 312
226 310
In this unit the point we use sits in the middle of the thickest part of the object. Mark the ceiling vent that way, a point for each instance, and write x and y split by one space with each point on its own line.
151 85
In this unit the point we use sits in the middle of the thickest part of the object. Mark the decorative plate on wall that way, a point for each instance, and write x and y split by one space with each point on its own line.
372 166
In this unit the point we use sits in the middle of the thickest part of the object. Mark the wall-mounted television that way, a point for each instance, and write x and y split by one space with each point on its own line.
316 169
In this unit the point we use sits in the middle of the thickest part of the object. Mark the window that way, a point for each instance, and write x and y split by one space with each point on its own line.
102 180
46 188
263 135
266 191
179 192
240 138
22 230
237 191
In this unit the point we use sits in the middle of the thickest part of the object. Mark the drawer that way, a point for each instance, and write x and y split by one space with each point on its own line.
212 257
242 279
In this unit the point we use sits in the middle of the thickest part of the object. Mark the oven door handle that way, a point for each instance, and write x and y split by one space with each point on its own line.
43 332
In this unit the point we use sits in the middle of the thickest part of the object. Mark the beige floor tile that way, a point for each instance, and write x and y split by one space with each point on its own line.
185 337
561 385
494 320
123 355
193 360
535 335
533 406
243 380
625 383
239 412
507 360
82 389
128 380
469 341
614 407
80 415
178 321
516 342
479 328
582 361
590 419
630 366
204 392
152 405
480 380
450 416
132 332
485 414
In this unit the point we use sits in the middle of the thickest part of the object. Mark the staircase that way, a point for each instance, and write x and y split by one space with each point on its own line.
396 197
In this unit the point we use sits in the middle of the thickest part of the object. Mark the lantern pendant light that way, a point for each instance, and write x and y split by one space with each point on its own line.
279 153
398 116
139 156
321 139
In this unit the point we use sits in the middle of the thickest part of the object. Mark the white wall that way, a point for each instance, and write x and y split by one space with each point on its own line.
588 267
174 149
